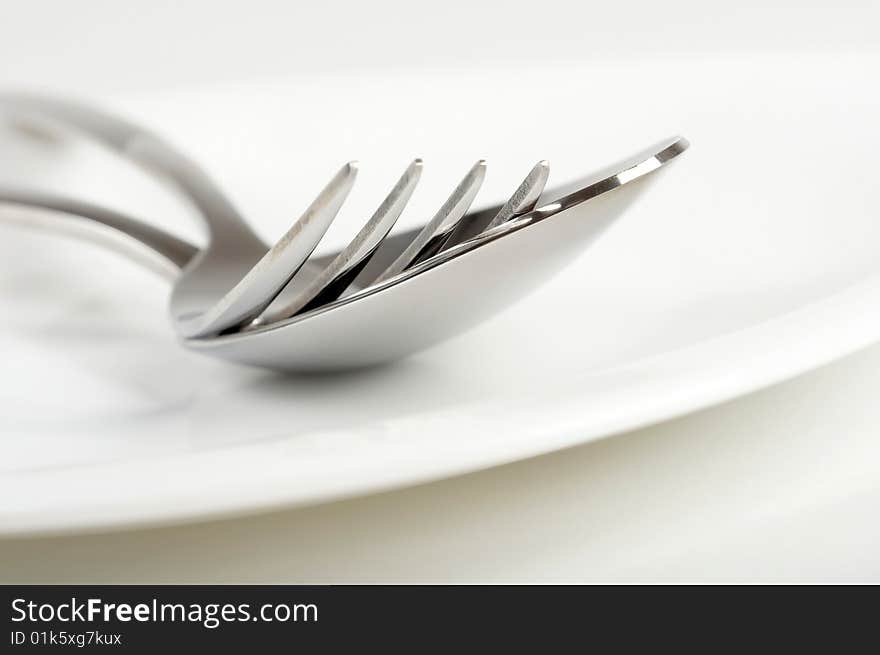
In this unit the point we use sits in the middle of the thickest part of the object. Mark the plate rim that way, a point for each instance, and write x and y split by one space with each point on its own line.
790 346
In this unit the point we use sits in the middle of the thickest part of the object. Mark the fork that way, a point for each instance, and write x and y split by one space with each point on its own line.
237 276
222 301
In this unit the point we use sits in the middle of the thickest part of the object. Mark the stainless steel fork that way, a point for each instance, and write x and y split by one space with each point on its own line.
237 276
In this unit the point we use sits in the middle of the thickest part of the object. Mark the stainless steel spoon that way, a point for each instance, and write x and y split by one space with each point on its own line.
438 296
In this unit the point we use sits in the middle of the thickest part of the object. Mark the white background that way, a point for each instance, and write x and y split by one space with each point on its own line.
780 486
92 45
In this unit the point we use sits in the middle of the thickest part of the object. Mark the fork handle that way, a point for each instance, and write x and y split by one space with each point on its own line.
150 246
141 146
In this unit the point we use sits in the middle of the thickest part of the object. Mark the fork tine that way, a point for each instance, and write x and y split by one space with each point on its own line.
438 229
262 283
332 281
526 195
523 200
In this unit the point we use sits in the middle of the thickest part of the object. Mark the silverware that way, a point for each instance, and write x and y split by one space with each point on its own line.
233 299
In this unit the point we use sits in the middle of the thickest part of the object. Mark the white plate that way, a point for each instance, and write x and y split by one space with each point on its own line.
756 258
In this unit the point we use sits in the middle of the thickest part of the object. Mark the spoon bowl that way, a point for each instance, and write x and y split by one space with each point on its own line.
451 291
